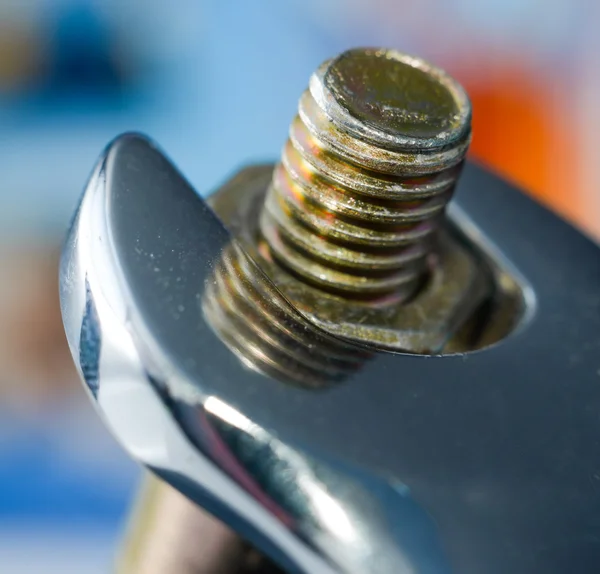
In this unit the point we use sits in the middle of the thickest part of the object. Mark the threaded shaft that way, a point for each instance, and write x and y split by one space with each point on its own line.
372 159
248 314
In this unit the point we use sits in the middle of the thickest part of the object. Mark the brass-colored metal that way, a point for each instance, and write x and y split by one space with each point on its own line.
350 226
460 281
370 164
399 95
265 331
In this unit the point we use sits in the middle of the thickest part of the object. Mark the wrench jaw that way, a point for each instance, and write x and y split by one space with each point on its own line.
407 464
108 337
306 511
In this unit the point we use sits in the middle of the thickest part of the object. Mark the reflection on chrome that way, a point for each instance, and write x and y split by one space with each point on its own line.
352 518
325 508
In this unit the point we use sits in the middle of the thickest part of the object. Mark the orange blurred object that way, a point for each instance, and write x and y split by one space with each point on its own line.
520 132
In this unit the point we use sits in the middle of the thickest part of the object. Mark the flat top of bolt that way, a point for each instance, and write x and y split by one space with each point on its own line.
397 94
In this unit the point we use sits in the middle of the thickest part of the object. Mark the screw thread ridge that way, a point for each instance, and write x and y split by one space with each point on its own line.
351 216
266 333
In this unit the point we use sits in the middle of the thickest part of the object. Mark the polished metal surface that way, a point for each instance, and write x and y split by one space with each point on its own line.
480 463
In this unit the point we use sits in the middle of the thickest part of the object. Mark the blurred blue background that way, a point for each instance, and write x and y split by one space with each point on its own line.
216 84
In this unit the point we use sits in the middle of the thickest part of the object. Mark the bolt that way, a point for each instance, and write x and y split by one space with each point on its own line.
350 225
372 159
